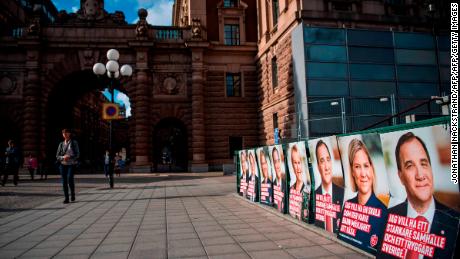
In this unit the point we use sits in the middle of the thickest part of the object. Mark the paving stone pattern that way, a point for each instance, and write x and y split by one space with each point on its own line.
196 218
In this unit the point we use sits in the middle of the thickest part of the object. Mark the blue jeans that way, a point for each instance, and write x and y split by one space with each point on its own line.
67 180
106 170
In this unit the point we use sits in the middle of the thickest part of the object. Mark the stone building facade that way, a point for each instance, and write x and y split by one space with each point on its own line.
297 89
193 91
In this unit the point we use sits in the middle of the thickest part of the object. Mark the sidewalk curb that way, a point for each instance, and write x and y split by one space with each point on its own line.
306 226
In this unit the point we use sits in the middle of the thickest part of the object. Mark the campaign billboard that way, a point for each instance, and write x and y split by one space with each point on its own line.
278 168
253 183
423 214
299 181
243 174
266 177
329 183
366 192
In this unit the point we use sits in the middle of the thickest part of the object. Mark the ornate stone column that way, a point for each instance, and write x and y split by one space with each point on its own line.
142 134
31 97
199 163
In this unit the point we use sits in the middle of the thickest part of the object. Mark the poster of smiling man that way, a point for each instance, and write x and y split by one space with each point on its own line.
366 192
300 181
266 177
327 171
278 168
253 184
243 176
423 215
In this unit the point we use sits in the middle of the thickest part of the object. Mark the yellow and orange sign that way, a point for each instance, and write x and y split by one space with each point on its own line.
110 111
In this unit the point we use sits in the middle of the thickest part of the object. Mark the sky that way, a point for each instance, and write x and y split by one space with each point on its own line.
159 11
120 98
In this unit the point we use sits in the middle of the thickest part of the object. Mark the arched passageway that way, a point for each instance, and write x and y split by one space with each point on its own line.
170 146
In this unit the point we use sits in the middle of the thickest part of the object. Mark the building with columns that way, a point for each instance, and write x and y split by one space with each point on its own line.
335 66
193 91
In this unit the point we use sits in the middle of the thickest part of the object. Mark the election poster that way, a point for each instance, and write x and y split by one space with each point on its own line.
329 185
278 168
366 193
300 181
243 175
266 177
423 214
253 183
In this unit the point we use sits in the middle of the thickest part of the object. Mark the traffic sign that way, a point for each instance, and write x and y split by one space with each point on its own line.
110 111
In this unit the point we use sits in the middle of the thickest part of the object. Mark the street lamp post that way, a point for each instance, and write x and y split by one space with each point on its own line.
114 73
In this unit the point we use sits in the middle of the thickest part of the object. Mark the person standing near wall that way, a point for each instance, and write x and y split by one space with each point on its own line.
67 155
11 163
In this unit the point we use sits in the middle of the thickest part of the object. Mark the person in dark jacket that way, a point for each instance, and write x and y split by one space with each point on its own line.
68 154
12 160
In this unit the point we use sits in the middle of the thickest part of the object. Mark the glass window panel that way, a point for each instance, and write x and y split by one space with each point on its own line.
362 122
324 35
372 88
372 72
326 70
445 89
418 73
327 88
370 38
409 56
417 90
423 109
445 74
326 53
444 43
325 126
371 106
375 55
405 40
327 105
444 58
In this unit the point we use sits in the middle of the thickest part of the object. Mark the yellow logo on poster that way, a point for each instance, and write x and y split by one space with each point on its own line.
110 111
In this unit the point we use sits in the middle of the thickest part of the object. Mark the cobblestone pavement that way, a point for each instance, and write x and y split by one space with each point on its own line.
156 216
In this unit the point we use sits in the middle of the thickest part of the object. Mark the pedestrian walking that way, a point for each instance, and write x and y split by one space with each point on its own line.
117 164
67 156
42 166
32 165
106 163
12 159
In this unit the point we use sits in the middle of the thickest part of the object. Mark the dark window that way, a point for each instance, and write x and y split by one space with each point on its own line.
410 56
234 143
370 38
232 34
373 55
371 106
326 53
327 88
417 90
326 70
275 11
444 43
372 72
372 88
341 6
230 3
445 74
233 83
444 58
418 73
274 73
324 36
275 120
405 40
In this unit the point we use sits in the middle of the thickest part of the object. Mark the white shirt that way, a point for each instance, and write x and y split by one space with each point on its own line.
429 215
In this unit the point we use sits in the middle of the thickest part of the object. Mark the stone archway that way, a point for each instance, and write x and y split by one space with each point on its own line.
170 152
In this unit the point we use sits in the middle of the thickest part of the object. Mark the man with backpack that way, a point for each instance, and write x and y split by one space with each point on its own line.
67 156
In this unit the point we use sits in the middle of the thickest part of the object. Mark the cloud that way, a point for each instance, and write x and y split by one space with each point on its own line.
123 99
159 13
75 9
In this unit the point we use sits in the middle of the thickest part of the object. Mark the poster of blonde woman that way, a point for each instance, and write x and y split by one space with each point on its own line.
243 175
266 177
366 192
253 184
327 172
300 181
423 215
278 167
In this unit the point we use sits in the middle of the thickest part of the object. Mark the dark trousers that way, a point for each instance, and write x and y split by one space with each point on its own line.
67 180
31 172
106 170
11 169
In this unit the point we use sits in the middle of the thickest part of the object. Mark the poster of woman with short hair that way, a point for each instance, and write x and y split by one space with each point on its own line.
266 177
327 171
300 181
278 168
366 192
243 176
253 184
423 214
